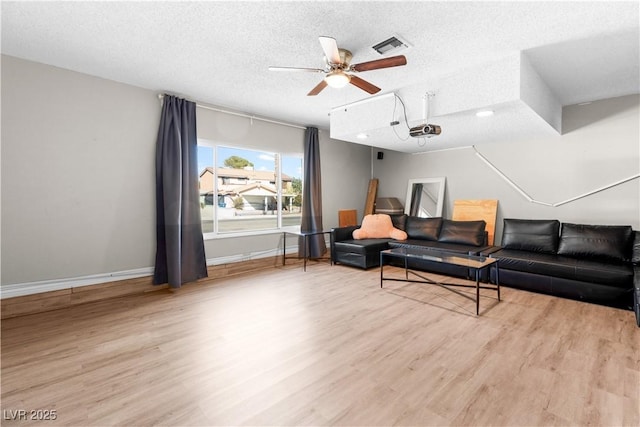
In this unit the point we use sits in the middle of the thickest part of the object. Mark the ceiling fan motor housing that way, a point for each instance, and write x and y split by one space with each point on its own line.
345 58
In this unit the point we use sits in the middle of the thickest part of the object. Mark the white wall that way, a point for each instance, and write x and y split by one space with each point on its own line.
78 192
600 145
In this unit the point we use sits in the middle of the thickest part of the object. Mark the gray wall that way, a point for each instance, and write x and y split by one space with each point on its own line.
78 174
600 145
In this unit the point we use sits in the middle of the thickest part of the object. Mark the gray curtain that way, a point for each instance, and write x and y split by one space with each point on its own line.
312 195
180 256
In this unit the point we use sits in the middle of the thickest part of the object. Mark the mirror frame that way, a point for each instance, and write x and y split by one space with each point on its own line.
439 180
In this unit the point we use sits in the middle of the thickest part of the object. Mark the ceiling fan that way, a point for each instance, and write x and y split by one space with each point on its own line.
338 68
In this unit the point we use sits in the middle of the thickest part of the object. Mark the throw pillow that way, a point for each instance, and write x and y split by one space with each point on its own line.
463 232
539 235
378 226
423 228
399 221
604 242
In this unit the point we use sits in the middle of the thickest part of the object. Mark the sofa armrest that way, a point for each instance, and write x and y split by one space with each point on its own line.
340 234
489 250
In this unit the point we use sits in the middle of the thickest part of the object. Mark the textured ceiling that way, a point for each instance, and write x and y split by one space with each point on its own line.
219 52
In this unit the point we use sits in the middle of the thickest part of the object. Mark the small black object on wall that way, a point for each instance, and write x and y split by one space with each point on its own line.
380 155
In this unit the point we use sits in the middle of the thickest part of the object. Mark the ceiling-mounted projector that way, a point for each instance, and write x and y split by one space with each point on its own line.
424 130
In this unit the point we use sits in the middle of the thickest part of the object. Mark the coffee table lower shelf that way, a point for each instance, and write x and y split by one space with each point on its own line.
475 264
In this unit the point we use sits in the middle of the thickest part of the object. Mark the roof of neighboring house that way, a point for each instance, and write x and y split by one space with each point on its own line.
270 189
235 190
257 175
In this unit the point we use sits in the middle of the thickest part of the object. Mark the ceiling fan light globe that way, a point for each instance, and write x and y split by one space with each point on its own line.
337 79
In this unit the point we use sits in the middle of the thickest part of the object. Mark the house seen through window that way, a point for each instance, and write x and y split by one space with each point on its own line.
248 190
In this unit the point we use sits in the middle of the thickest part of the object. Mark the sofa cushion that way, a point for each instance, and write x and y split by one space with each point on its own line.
363 247
423 228
598 242
378 226
531 235
399 221
584 270
441 246
635 253
462 232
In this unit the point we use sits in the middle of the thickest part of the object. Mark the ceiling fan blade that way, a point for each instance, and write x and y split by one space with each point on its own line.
393 61
364 85
330 48
314 70
316 90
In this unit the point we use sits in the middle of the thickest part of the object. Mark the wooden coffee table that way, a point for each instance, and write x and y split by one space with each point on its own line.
475 264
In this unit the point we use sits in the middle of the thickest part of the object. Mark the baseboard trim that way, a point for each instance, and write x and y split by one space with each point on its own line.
30 288
50 295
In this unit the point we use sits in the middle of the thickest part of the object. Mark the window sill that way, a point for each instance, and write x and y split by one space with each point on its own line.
216 236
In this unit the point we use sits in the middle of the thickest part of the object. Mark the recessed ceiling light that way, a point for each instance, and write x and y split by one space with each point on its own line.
362 136
484 113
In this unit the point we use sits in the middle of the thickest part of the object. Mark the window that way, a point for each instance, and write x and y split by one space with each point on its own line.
248 191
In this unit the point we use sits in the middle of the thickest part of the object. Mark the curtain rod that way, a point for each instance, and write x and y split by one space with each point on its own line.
233 113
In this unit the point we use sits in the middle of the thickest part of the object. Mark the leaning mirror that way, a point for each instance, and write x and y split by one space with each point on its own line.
425 197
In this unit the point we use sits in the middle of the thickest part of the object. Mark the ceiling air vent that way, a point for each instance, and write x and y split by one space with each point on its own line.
393 44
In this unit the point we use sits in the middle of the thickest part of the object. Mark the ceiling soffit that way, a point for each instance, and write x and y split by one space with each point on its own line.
523 106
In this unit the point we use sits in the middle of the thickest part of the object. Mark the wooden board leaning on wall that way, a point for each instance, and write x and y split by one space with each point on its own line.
474 210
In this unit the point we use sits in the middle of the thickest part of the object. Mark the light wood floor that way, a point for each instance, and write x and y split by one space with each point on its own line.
325 347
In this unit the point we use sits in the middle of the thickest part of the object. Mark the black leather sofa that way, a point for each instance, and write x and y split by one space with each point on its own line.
591 263
468 237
